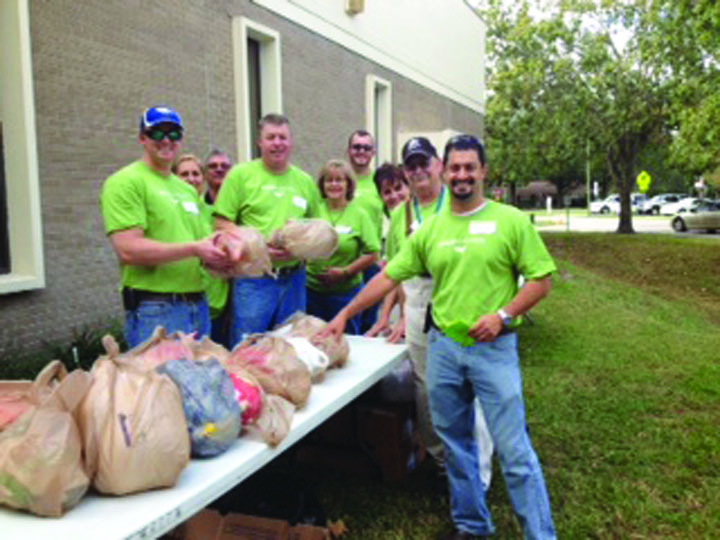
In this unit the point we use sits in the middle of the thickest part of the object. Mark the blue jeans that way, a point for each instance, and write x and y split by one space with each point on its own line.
490 372
185 317
369 317
326 306
261 303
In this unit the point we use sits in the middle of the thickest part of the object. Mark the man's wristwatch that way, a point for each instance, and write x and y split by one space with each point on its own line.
507 319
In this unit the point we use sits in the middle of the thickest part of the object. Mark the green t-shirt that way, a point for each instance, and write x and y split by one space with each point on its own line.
252 195
217 288
419 214
167 210
474 261
356 237
368 198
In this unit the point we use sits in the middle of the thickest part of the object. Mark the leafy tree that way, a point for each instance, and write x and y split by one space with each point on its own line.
595 73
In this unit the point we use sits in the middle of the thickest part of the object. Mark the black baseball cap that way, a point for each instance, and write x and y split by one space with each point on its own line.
418 146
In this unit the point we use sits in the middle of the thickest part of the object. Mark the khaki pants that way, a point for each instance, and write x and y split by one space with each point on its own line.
418 293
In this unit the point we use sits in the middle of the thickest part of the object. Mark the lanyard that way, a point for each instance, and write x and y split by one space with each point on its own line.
438 205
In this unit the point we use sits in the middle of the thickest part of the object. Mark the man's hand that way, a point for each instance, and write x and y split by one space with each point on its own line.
380 328
487 328
212 255
335 328
333 275
279 254
397 333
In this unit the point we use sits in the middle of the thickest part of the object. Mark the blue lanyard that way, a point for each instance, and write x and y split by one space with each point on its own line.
438 205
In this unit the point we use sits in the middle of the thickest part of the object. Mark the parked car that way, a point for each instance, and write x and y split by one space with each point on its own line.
683 205
654 204
704 216
612 203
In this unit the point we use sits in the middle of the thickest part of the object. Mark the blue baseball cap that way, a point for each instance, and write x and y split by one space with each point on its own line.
159 115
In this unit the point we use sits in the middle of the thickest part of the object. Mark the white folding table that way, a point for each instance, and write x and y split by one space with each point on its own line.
152 513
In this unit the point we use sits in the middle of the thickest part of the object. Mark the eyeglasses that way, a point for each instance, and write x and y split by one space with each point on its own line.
362 147
157 135
417 162
214 165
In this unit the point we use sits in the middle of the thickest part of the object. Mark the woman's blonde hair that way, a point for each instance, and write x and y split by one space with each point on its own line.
188 157
340 166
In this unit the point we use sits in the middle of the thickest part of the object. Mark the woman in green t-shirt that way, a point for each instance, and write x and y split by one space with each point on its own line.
331 284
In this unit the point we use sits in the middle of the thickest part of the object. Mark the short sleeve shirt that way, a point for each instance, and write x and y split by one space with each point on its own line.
368 198
419 214
474 260
356 237
252 195
167 210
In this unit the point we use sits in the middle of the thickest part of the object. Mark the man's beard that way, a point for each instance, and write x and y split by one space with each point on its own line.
464 196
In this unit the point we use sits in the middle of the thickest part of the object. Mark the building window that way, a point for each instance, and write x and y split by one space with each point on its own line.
378 115
258 82
21 257
4 240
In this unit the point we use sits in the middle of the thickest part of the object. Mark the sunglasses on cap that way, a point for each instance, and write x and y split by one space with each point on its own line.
157 134
362 147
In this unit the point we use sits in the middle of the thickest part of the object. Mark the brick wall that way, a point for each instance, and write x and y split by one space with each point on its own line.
98 63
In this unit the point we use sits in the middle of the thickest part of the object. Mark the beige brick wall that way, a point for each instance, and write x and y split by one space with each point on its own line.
98 63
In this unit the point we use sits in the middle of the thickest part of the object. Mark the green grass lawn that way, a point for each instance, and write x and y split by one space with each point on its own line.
622 384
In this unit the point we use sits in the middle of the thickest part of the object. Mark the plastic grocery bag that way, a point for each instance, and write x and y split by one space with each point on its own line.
211 410
248 393
41 466
307 239
275 421
307 326
16 397
154 351
275 364
314 359
246 247
133 428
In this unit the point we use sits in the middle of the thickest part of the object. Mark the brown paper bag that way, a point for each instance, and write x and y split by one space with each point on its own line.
41 467
133 429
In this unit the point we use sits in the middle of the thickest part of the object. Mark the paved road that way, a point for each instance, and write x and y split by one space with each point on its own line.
641 224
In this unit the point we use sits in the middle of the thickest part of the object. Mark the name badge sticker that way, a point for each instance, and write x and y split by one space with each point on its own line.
343 229
300 202
190 207
482 227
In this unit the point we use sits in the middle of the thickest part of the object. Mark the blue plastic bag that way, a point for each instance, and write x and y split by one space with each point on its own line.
211 410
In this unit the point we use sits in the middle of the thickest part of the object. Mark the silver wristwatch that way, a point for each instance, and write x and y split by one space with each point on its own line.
507 319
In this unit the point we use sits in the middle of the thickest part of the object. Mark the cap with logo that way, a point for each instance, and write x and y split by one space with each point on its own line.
418 146
159 115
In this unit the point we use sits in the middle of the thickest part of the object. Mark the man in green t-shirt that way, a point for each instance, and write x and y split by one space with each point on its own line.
360 152
156 228
475 249
265 193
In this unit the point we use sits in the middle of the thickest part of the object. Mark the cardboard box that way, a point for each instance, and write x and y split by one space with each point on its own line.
242 527
205 525
309 532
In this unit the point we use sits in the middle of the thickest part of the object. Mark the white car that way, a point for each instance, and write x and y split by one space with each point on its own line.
612 203
683 205
607 205
654 204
